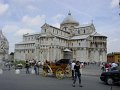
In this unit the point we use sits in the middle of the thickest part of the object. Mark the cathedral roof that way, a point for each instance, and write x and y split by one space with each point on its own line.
70 19
97 34
79 37
86 25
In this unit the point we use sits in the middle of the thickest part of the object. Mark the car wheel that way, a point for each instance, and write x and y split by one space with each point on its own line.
109 81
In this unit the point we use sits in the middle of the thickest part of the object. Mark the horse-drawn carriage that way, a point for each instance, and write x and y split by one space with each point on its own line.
59 69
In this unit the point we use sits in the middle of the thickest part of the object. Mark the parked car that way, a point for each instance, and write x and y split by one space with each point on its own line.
19 66
111 77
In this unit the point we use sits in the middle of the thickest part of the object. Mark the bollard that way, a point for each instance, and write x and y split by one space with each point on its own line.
17 71
32 71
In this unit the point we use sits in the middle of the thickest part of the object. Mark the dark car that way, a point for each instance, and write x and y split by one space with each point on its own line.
111 77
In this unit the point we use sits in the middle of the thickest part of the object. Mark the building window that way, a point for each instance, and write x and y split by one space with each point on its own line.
96 45
78 31
118 60
46 39
65 28
32 51
72 44
84 30
45 30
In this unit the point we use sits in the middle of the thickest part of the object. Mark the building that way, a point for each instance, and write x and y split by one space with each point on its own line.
113 57
71 41
4 47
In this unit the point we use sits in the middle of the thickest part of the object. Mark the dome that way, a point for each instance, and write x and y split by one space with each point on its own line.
70 20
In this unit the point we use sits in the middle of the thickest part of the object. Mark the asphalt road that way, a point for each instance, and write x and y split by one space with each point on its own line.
10 81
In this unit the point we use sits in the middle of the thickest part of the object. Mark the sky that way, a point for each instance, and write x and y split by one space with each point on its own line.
18 17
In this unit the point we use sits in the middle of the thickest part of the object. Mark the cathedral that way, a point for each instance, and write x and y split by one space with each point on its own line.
72 41
4 47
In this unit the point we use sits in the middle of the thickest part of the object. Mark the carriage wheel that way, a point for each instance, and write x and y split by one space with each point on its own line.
59 73
44 73
68 72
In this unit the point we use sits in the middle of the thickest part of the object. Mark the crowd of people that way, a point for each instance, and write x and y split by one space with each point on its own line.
110 66
33 64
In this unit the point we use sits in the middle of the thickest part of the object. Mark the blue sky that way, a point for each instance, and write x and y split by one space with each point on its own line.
18 17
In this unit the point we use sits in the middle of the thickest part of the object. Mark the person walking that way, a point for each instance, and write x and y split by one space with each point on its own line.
38 67
35 69
77 73
27 66
72 68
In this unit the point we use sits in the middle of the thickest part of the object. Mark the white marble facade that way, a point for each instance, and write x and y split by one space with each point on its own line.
71 41
4 47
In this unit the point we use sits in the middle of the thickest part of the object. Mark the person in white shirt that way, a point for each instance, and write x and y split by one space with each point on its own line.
114 66
72 68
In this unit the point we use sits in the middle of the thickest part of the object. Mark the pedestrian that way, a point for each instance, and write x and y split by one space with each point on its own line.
72 68
107 66
113 66
77 73
38 67
35 69
27 66
102 67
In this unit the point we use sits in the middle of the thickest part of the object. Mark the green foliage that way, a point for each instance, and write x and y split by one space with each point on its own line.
19 62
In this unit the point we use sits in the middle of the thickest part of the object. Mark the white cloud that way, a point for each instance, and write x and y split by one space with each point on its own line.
10 28
15 30
3 8
37 20
22 31
114 3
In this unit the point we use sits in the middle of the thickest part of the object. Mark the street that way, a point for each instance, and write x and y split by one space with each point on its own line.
11 81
